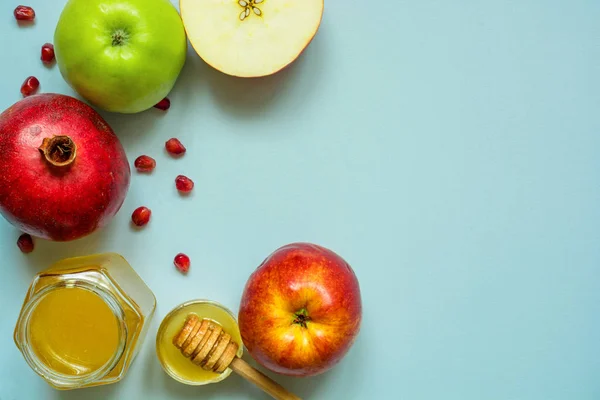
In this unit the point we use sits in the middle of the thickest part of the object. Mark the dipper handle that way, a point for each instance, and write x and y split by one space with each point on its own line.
256 377
206 344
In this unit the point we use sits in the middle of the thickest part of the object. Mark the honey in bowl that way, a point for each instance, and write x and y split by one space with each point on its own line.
173 361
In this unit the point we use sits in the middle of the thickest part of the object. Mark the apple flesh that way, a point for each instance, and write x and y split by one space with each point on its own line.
120 55
301 310
250 38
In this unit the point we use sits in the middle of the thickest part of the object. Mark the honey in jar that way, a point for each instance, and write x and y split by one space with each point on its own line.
83 321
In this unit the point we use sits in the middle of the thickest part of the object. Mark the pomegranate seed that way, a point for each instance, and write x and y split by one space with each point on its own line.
25 243
30 85
174 147
145 163
184 184
141 216
24 13
47 53
182 263
164 104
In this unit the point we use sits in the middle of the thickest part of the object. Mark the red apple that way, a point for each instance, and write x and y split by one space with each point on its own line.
301 310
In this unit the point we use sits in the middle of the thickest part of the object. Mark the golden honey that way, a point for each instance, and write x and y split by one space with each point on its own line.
73 331
83 321
173 362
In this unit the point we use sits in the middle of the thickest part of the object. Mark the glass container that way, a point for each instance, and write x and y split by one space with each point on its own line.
173 362
83 321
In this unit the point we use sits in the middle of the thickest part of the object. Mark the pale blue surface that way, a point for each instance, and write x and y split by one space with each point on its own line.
447 149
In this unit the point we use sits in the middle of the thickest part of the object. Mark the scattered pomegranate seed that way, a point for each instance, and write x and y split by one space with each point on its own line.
47 53
30 85
164 104
145 163
174 147
141 216
24 13
182 263
25 243
184 184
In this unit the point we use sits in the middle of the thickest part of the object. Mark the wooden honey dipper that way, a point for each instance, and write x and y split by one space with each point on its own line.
207 345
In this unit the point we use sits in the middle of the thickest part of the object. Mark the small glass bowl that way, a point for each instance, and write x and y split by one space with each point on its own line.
173 362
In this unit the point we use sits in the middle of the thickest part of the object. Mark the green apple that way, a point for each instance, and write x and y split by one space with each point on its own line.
120 55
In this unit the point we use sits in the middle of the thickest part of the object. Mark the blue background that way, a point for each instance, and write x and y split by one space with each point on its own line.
447 150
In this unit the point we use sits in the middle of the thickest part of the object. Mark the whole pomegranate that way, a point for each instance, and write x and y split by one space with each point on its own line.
63 172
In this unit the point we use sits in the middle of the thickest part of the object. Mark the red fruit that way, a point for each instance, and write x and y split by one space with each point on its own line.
25 243
141 216
145 163
164 104
184 184
24 13
174 147
301 310
30 85
182 263
47 53
63 172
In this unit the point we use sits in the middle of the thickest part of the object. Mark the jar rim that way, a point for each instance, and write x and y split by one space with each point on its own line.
56 378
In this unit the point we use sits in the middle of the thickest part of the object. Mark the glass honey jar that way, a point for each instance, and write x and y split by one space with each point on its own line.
83 321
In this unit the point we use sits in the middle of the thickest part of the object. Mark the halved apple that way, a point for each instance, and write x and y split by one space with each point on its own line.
250 38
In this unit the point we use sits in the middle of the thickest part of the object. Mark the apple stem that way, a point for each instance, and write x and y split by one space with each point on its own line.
302 318
60 151
119 37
